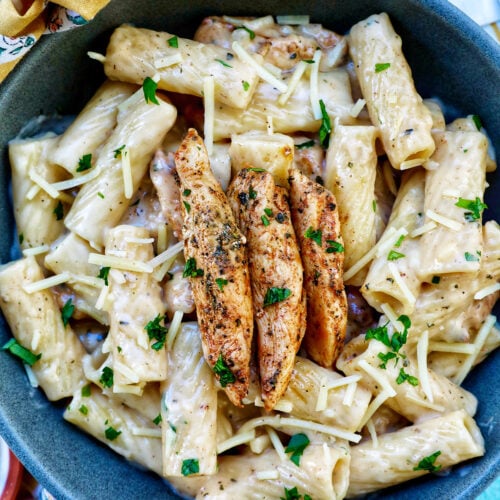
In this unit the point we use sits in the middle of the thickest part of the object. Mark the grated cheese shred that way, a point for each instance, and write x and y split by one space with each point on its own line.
423 373
209 117
38 286
128 183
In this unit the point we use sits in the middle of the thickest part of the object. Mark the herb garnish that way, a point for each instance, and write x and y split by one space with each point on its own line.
406 377
186 192
245 85
59 210
84 163
475 206
67 312
190 270
400 240
305 145
379 67
118 152
83 410
111 433
157 420
470 257
187 206
221 283
224 63
226 376
264 220
393 255
249 31
334 247
106 378
293 494
173 42
427 463
274 295
190 466
86 391
149 87
21 352
314 234
477 122
385 357
252 194
157 332
103 274
256 169
296 447
326 125
435 280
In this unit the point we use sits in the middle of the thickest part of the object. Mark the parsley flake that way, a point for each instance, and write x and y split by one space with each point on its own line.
268 212
274 295
435 280
186 192
221 283
305 145
83 410
475 206
314 234
400 241
293 494
245 85
111 433
296 447
252 194
100 195
427 463
326 125
224 63
106 378
477 122
379 67
190 269
470 257
21 238
173 42
226 376
374 205
118 152
59 211
251 33
149 87
385 357
157 332
84 163
187 206
157 419
264 220
393 255
67 312
86 391
406 377
256 169
190 466
334 247
21 352
103 274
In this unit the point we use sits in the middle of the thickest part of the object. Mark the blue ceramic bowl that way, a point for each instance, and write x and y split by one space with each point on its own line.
451 58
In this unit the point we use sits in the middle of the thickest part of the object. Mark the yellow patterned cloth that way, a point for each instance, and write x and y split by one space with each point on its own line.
19 30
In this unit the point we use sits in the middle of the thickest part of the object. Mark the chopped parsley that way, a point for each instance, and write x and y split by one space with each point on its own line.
374 205
385 357
190 466
157 332
224 63
111 433
293 494
296 447
221 283
190 269
400 240
268 212
251 33
477 122
406 377
475 206
252 194
264 220
67 312
393 255
84 163
226 376
173 42
83 410
186 192
305 145
314 234
86 391
21 238
436 280
103 274
470 257
326 125
274 295
59 210
308 61
245 85
118 152
187 206
21 352
379 67
100 195
427 463
256 169
149 87
157 419
379 333
106 378
334 247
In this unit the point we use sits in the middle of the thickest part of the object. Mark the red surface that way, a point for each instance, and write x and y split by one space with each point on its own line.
14 478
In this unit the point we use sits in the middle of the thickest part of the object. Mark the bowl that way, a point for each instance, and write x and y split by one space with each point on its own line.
451 58
11 473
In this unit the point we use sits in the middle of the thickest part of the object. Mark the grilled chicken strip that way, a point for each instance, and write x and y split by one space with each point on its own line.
166 182
276 273
216 262
316 222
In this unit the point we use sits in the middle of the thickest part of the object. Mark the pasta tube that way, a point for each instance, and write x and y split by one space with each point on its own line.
387 85
181 64
92 126
35 322
189 405
401 455
101 202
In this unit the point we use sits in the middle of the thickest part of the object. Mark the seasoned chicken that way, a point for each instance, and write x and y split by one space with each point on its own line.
316 222
166 181
276 272
216 263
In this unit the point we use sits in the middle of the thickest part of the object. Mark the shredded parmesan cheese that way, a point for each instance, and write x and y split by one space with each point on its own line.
37 286
450 193
481 337
165 62
313 86
119 263
283 406
423 229
444 221
292 19
96 56
171 252
263 73
43 184
425 404
136 389
379 377
393 269
391 316
423 374
274 70
322 396
484 292
236 440
269 125
139 241
349 394
373 407
87 280
388 243
36 250
455 347
101 300
259 444
351 379
32 191
146 432
209 117
405 165
370 426
276 442
161 241
76 181
293 82
173 329
267 474
128 184
357 108
31 375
